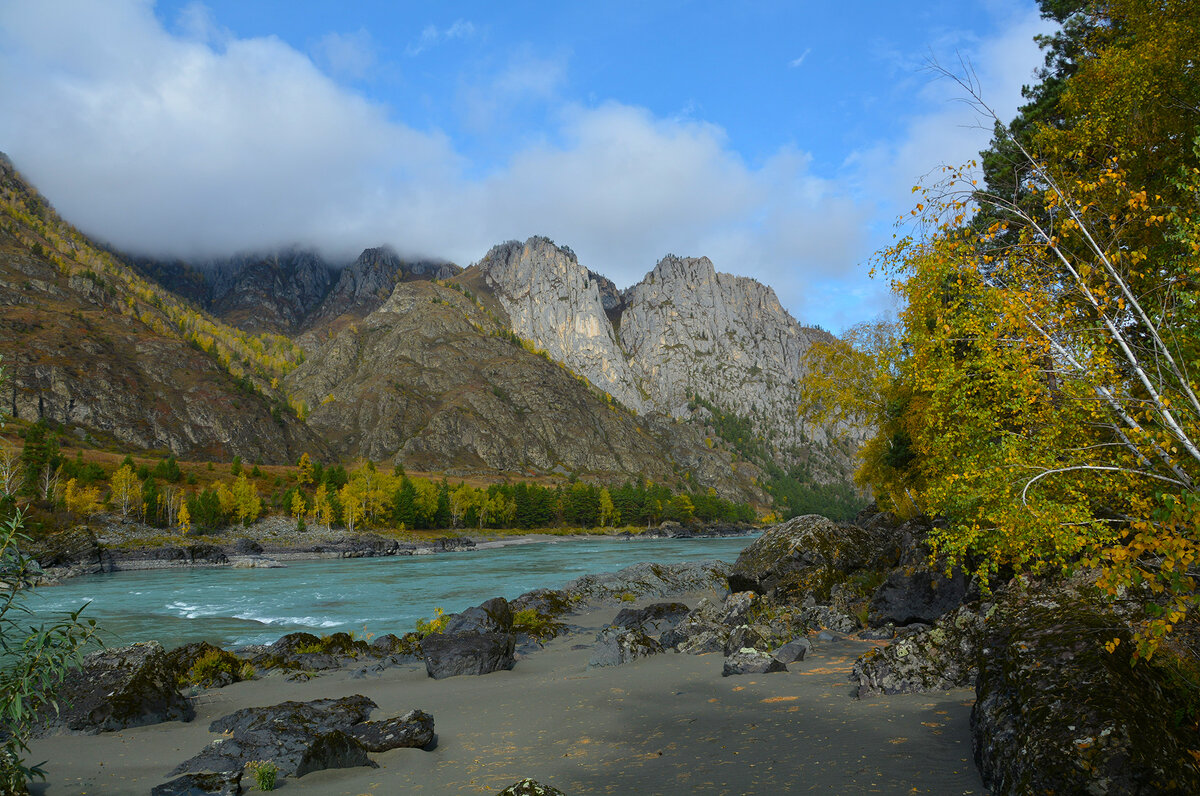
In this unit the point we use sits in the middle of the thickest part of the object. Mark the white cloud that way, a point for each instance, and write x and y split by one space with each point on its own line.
174 145
431 36
948 130
796 62
347 54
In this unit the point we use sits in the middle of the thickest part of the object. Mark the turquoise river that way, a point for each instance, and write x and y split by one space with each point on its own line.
231 607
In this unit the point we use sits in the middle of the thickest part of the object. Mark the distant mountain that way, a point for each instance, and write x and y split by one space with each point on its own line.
685 341
89 344
525 363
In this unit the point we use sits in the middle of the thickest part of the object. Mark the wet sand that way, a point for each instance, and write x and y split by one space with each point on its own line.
669 724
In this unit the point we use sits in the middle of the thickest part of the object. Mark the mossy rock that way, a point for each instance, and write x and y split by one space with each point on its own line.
1058 713
809 555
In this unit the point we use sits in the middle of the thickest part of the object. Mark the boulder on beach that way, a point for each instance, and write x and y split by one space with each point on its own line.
649 580
807 556
700 631
1057 712
117 688
301 737
479 640
653 620
209 783
530 787
413 730
751 661
618 645
930 659
916 595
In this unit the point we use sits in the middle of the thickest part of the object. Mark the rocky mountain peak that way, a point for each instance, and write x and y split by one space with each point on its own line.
272 292
556 303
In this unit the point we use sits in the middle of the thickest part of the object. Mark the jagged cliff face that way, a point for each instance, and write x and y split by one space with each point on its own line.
690 330
683 330
271 293
364 285
81 350
430 380
556 303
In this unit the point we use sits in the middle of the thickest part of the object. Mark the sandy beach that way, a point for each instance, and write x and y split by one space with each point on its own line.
663 725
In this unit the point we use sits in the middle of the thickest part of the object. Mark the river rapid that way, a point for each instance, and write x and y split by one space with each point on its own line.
232 607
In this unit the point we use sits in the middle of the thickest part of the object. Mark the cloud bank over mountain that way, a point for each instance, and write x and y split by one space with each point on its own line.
195 142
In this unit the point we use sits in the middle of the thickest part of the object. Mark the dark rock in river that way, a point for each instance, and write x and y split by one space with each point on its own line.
413 730
1057 713
224 783
115 689
298 737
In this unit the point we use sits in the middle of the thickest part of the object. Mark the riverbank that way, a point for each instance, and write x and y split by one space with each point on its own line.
112 546
669 723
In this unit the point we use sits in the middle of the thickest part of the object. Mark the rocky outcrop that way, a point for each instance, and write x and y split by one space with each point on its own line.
298 737
683 331
931 659
364 285
478 641
115 689
530 787
432 381
690 330
272 292
649 580
556 303
808 556
1057 713
751 661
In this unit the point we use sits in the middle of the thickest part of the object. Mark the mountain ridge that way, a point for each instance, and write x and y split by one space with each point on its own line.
525 362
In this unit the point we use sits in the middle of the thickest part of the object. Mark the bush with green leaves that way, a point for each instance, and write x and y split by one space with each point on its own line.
35 655
264 772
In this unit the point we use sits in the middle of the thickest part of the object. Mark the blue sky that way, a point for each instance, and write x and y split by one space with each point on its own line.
781 139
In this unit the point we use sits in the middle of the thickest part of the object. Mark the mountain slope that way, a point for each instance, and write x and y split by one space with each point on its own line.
683 332
434 380
90 344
